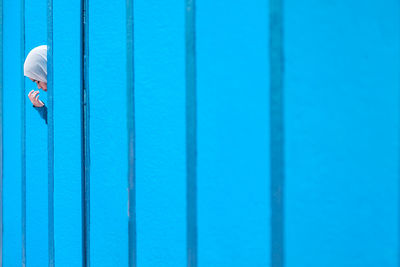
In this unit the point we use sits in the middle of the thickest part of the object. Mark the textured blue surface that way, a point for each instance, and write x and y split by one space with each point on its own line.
233 133
36 146
67 133
341 114
108 134
160 132
342 91
12 91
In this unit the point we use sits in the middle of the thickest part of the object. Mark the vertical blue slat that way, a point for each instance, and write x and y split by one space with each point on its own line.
341 133
277 132
37 228
68 210
67 152
131 133
191 141
12 77
232 76
160 132
108 134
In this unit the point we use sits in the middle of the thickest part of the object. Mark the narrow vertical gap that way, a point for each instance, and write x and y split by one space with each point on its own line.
50 131
1 133
85 182
23 139
277 132
131 134
191 138
398 187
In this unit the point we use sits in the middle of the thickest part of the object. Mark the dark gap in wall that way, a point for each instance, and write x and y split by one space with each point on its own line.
277 163
1 134
50 132
23 137
85 167
131 135
191 138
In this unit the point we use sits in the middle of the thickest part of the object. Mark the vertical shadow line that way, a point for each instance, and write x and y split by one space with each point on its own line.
23 137
50 131
277 132
131 134
191 137
85 144
1 133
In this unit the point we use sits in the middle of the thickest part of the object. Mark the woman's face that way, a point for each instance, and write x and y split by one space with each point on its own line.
40 85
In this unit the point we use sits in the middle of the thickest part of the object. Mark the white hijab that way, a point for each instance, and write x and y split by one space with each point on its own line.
35 66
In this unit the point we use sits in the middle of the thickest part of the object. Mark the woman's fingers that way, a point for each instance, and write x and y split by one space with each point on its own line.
34 98
33 93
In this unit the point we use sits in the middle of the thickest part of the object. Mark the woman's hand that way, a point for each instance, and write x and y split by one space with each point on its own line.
34 97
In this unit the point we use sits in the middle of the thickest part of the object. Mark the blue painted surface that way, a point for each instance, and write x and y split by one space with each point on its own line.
12 92
233 133
36 146
67 134
160 132
108 134
342 106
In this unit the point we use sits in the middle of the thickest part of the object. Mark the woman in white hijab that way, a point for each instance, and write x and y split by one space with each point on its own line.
35 68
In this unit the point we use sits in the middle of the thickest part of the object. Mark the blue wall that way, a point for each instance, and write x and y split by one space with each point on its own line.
342 114
202 133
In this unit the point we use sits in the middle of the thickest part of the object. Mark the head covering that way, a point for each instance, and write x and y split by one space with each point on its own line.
35 66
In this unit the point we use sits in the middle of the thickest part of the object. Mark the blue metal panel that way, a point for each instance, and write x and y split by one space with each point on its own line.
12 93
160 132
342 121
67 133
233 133
108 134
36 147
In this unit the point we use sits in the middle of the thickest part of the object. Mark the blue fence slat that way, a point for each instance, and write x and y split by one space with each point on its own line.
12 145
108 134
67 133
233 133
36 146
160 132
342 133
